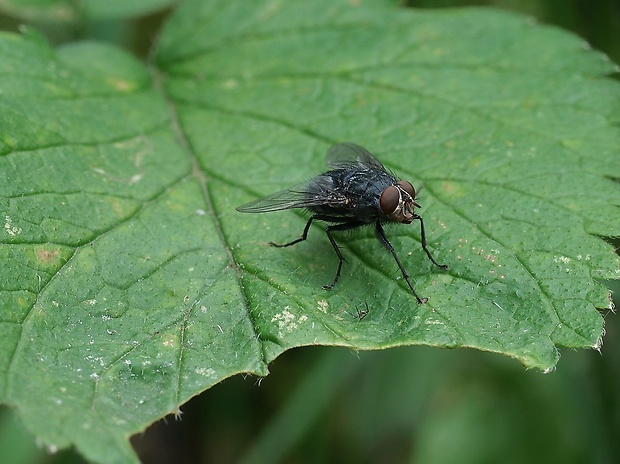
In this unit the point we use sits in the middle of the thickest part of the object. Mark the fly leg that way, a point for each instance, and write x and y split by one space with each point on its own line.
424 246
304 235
388 245
328 231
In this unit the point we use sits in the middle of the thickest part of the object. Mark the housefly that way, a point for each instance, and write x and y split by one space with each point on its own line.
357 191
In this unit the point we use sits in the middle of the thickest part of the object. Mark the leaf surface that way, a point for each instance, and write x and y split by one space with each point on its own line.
70 11
131 284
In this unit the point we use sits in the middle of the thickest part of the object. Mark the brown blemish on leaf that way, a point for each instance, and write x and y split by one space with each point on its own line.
47 256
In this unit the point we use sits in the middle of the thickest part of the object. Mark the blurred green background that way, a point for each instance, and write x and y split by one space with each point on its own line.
417 404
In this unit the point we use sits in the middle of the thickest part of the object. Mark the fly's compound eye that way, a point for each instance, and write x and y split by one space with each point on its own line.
407 187
390 198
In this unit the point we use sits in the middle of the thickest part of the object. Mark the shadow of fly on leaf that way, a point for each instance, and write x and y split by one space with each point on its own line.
356 192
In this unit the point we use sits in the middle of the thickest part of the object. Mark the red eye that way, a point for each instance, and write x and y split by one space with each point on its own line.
407 187
389 200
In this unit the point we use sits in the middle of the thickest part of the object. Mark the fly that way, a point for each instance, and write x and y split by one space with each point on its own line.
357 191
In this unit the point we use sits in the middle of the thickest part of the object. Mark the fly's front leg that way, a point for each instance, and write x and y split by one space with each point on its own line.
424 246
388 245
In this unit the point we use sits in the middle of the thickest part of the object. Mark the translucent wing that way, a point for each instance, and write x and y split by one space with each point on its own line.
347 154
316 192
324 190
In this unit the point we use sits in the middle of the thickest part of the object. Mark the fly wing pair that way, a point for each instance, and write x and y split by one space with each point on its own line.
318 191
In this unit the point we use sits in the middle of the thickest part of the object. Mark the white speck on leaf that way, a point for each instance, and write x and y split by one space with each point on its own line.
10 228
207 372
322 306
287 320
51 449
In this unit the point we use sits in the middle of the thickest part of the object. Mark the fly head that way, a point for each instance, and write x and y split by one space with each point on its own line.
397 202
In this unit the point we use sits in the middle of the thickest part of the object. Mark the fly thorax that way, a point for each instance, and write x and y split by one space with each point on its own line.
339 201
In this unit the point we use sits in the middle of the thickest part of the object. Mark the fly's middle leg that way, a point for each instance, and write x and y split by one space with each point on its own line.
328 231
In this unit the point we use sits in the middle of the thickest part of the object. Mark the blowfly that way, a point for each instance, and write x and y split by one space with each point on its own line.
357 191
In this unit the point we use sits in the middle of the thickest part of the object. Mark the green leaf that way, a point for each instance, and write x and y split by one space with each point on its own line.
69 10
131 284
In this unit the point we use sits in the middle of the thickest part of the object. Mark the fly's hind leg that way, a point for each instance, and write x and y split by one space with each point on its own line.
304 234
303 237
328 230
